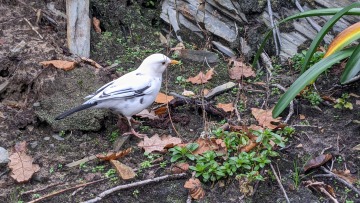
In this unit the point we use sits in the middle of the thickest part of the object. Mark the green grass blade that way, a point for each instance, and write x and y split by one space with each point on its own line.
311 74
325 29
317 12
352 66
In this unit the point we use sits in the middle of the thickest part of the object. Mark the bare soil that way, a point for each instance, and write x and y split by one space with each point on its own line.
34 95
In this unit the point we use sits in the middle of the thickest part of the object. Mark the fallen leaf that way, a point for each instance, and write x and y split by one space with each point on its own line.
264 117
245 186
162 98
205 91
240 70
346 175
205 145
114 155
96 24
302 117
357 102
201 78
299 146
21 165
188 93
161 110
162 39
180 168
64 65
320 187
317 161
147 114
229 107
194 186
155 143
124 171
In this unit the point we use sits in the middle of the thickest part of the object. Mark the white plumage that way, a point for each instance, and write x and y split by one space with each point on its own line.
131 93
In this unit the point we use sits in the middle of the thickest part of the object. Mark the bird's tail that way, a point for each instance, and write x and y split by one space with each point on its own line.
75 109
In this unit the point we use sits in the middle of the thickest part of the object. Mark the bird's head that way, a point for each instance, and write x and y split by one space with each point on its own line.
156 64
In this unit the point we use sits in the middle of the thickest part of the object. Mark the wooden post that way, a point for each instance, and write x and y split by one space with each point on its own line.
78 27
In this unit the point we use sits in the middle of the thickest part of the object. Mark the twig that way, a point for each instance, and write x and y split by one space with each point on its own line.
236 102
40 189
91 62
84 160
280 184
65 190
3 173
340 179
265 58
311 21
131 185
323 190
275 34
33 28
291 110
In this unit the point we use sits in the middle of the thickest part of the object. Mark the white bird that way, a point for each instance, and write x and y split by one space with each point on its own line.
131 93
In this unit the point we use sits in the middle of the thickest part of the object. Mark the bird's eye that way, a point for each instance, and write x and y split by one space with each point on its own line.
163 63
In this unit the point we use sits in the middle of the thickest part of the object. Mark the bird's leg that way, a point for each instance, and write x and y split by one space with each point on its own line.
132 131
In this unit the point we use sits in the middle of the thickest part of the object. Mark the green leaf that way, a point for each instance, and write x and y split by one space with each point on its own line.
310 75
352 67
190 156
324 30
175 157
192 146
315 12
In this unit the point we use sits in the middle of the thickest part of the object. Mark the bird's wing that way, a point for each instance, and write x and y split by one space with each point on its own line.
126 87
99 90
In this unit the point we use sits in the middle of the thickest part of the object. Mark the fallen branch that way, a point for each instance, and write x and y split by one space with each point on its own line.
40 189
280 184
65 190
131 185
340 180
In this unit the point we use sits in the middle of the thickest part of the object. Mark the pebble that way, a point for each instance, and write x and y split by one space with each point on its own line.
36 104
4 156
57 137
46 138
34 144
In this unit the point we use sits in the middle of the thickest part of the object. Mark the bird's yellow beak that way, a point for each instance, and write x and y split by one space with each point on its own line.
174 62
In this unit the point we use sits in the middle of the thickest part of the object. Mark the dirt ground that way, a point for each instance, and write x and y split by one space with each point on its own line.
32 95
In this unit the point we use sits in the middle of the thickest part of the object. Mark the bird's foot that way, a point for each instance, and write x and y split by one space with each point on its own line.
133 132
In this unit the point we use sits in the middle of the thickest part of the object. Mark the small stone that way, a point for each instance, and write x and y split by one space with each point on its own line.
36 104
52 145
34 144
46 138
4 156
57 137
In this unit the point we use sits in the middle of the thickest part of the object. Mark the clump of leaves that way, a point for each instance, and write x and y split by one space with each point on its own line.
213 165
183 153
299 59
342 102
312 96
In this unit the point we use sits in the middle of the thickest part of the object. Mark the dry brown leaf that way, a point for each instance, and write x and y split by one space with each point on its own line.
21 165
113 155
317 161
205 145
180 168
124 171
161 110
205 91
320 187
64 65
264 117
240 70
162 98
255 127
201 78
194 186
245 186
155 143
229 107
147 114
356 148
301 116
96 24
346 175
